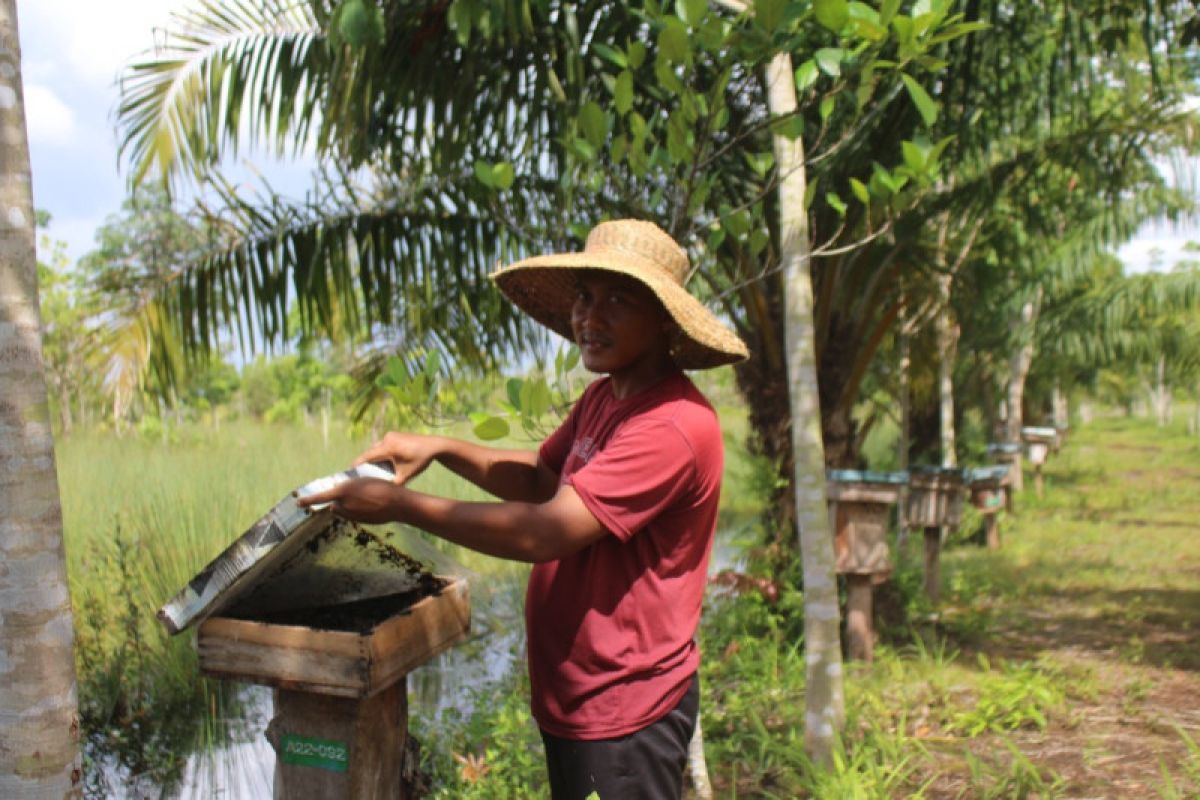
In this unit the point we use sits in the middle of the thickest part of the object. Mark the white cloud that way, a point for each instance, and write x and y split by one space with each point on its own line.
91 41
49 119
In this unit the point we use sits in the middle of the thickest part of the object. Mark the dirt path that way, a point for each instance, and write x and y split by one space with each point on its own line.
1100 578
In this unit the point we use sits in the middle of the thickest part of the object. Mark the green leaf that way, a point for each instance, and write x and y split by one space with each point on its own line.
636 53
673 42
758 240
593 123
460 17
760 162
572 358
513 389
715 237
535 398
921 99
610 54
483 173
667 79
826 107
836 203
833 14
806 75
769 13
691 11
679 147
623 92
914 156
433 364
860 191
489 428
829 59
503 175
810 192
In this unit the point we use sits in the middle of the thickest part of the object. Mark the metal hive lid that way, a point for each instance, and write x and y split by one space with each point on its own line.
262 549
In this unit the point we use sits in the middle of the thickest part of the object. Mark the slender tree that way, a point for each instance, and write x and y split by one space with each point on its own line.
39 728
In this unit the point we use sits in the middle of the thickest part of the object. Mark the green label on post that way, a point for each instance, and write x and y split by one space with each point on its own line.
320 753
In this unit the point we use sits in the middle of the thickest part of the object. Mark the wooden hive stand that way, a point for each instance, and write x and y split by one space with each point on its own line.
340 727
934 503
860 506
1038 443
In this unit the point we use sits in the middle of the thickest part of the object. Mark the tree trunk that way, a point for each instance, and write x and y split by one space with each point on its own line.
1162 394
1061 410
1018 370
947 344
39 725
1196 413
905 348
824 703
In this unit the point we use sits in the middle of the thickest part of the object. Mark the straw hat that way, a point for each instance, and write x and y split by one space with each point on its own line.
545 288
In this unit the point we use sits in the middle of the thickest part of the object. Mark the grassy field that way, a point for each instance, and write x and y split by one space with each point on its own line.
1065 665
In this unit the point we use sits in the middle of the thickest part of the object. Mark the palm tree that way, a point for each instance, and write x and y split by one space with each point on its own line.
39 753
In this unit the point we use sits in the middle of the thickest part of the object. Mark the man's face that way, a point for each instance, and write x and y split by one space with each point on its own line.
618 323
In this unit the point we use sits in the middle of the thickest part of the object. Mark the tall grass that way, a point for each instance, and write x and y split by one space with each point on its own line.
141 517
143 514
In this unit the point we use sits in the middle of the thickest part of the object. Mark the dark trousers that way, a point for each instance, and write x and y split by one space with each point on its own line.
645 765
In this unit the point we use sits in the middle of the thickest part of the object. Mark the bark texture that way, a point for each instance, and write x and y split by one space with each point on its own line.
824 704
39 728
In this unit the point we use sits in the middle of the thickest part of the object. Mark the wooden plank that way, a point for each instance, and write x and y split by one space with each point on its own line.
338 663
297 668
433 625
337 749
287 637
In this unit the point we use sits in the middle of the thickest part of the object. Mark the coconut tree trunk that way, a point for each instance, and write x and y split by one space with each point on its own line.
824 704
39 724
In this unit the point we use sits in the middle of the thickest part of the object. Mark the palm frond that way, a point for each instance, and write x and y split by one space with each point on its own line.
230 70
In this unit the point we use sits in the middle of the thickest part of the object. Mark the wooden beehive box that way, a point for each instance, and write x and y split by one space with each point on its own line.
986 486
934 497
380 640
1038 442
308 602
1004 452
859 511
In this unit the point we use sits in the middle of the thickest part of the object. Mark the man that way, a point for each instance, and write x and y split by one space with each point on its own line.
616 510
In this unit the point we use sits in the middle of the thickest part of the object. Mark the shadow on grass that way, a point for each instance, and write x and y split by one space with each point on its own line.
1023 613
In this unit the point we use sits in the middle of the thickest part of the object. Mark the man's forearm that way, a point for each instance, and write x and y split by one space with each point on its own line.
508 474
512 530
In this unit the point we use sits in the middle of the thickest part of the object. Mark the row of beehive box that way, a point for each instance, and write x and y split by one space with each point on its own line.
860 507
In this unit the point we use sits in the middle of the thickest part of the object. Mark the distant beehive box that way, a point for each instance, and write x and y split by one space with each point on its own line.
1038 442
986 485
934 497
859 511
309 602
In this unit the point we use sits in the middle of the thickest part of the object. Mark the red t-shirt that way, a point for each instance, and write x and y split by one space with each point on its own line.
611 628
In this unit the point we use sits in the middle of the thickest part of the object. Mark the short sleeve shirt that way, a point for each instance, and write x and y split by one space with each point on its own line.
611 628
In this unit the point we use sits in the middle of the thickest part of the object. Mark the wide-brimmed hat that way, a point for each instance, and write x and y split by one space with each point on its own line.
545 288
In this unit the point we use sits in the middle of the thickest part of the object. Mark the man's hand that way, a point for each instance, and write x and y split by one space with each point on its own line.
369 500
409 454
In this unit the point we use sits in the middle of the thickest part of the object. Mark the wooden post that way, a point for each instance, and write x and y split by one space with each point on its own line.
991 527
329 747
933 572
1039 484
860 634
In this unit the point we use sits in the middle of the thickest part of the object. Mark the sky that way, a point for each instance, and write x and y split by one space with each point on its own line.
72 54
